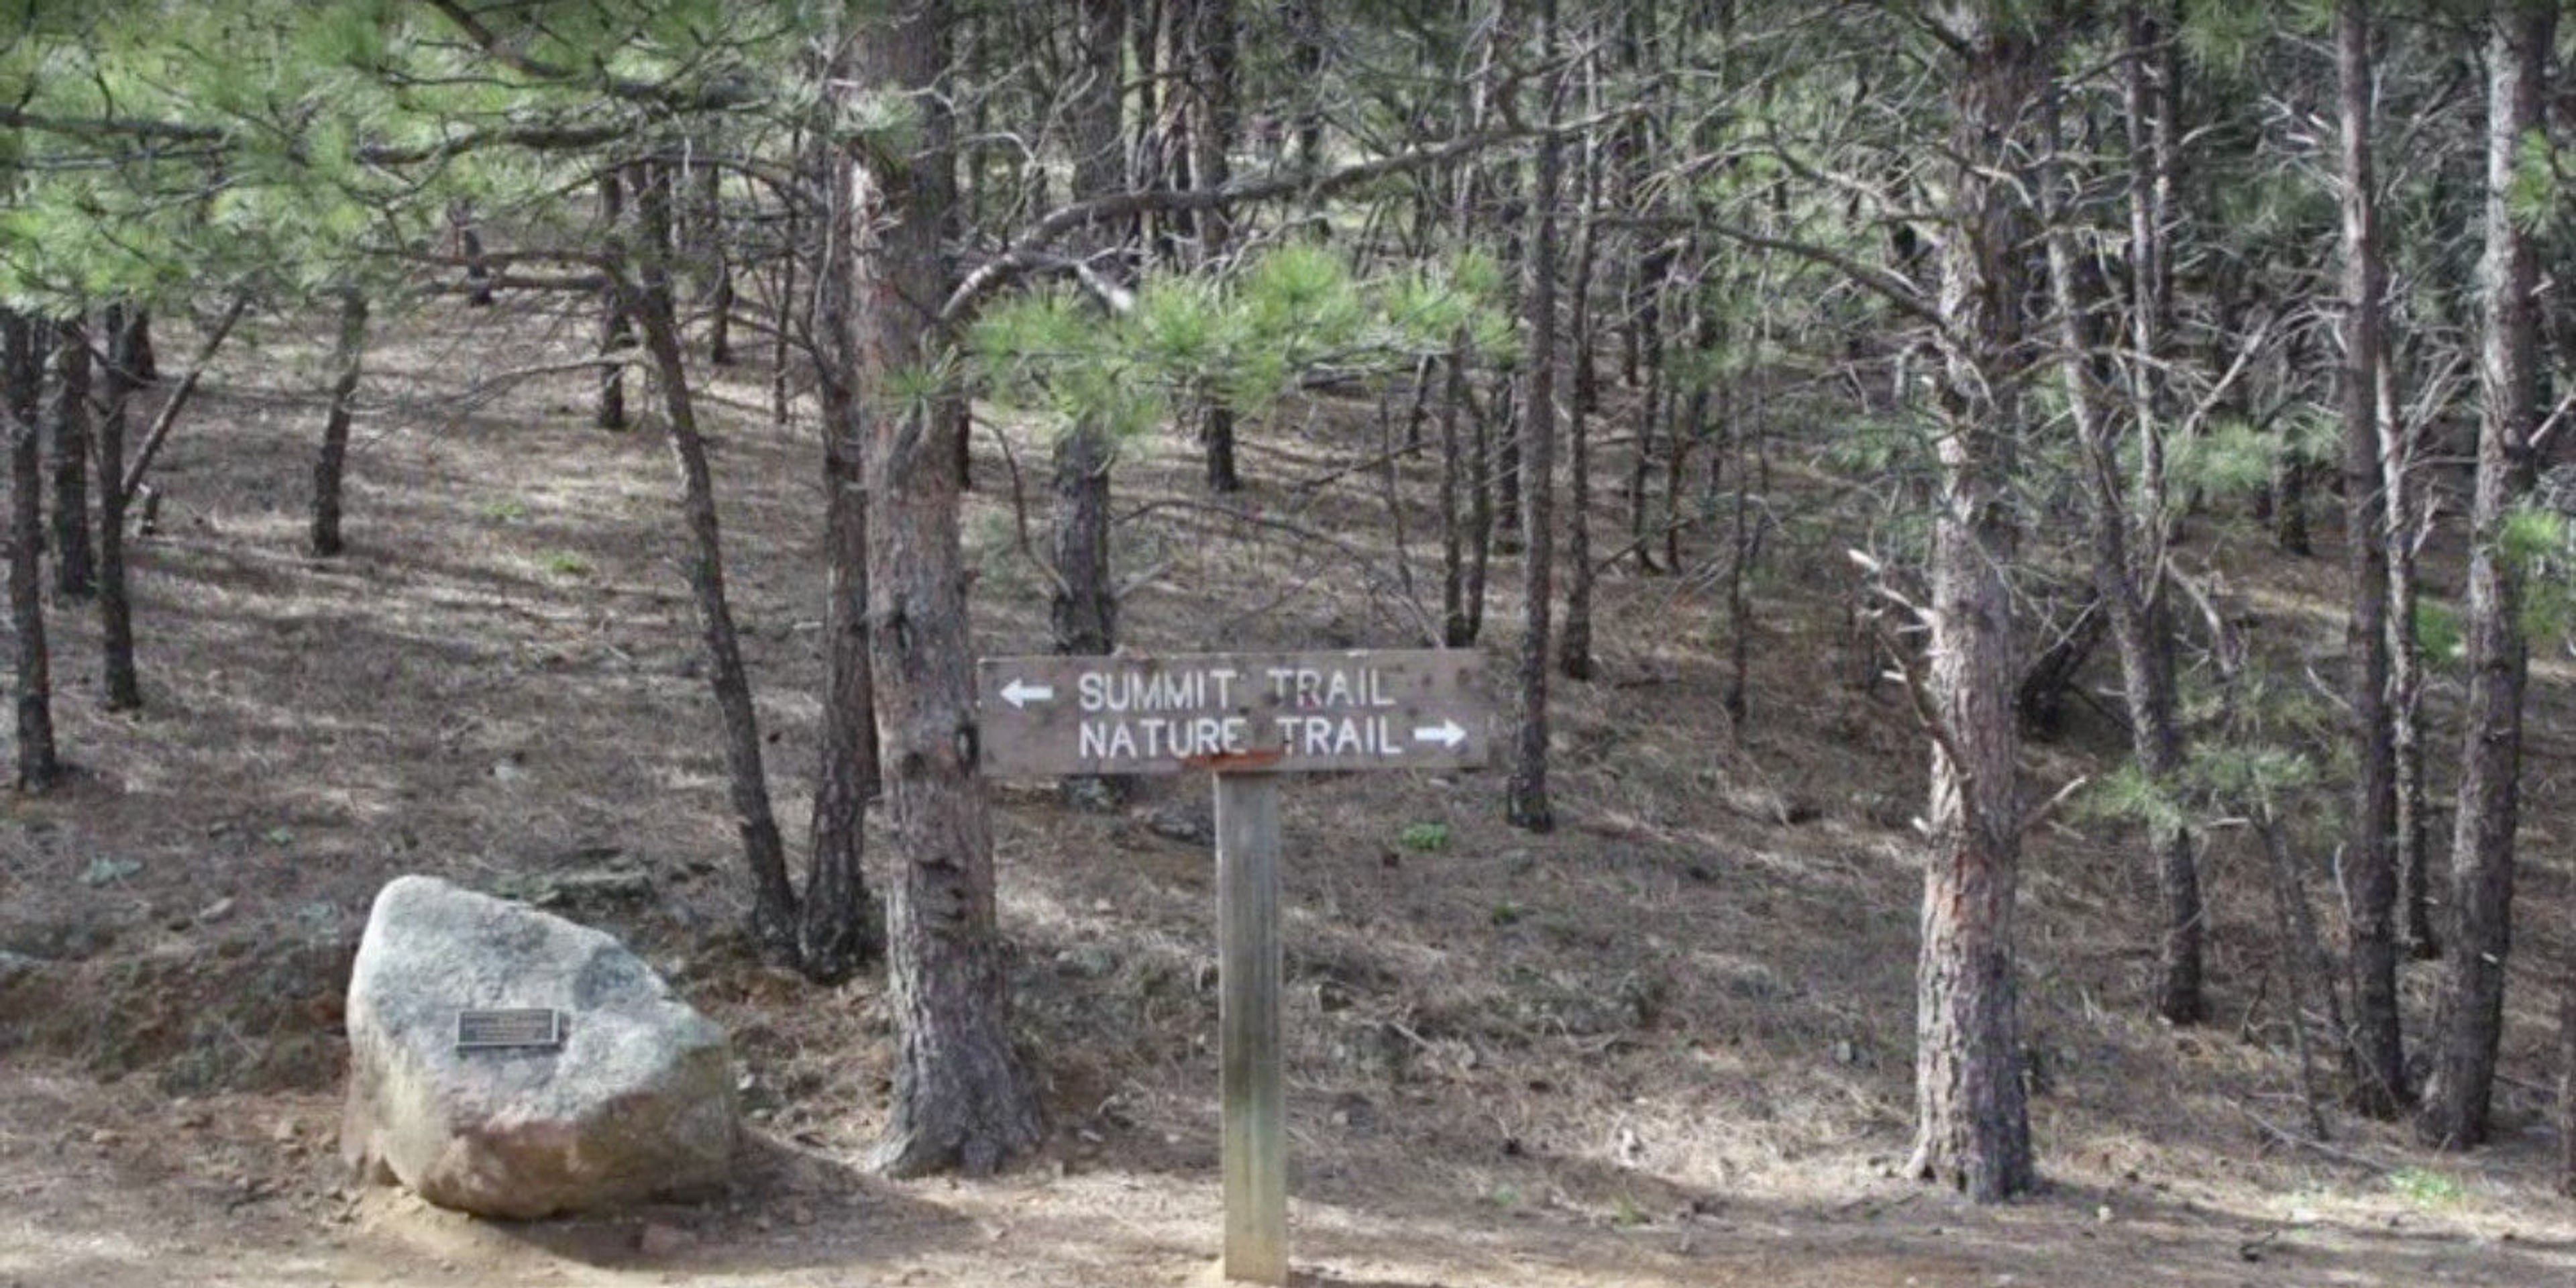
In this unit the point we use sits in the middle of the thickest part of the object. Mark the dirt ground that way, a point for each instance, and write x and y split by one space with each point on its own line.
1667 1044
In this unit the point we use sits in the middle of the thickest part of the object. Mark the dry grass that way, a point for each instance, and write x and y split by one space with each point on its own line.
1669 1043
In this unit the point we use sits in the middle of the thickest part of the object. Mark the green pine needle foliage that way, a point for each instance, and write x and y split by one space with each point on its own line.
1247 338
2232 459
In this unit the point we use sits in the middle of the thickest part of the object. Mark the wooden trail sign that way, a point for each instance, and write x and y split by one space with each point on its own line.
1046 717
1246 718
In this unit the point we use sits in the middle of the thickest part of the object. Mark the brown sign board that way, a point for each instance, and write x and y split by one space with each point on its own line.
1048 716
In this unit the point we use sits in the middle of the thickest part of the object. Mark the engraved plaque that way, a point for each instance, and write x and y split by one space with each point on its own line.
525 1028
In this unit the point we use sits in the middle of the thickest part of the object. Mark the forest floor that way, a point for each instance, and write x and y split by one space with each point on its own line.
1668 1043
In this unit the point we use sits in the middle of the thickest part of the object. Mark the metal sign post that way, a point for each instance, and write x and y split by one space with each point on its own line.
1246 718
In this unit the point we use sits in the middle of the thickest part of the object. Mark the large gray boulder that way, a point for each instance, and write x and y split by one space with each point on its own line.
636 1102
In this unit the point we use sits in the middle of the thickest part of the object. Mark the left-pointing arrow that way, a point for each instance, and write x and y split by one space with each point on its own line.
1020 693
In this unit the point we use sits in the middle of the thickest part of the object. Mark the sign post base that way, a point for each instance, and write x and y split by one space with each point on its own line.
1255 1131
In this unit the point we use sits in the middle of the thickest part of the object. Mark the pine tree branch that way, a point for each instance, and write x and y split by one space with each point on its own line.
1029 245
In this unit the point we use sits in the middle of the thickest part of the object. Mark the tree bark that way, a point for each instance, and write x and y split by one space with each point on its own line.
2400 493
2290 476
1973 1124
1454 627
1082 610
2128 546
1574 643
1646 338
2470 1012
1527 804
168 417
615 331
2377 1056
647 298
347 355
123 690
75 565
961 1096
38 765
717 263
1211 89
839 929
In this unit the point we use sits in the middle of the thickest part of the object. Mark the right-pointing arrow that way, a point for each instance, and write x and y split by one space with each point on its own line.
1447 733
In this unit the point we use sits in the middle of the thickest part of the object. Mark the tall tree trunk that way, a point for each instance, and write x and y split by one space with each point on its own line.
1082 611
2127 576
616 333
1646 336
1308 39
840 930
1973 1123
1145 153
2310 972
961 1097
1745 544
1527 804
646 297
2378 1061
2470 1014
1687 419
784 328
75 567
1574 644
1212 125
347 355
716 262
2290 475
1480 502
123 690
38 765
1454 632
2398 453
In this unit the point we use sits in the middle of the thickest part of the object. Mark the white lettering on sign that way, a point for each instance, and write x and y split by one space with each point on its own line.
1241 712
1115 726
1337 736
1153 736
1301 686
1155 690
